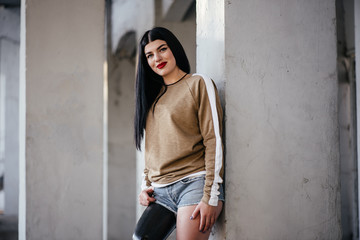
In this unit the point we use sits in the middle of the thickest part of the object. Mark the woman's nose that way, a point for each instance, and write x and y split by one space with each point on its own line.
157 57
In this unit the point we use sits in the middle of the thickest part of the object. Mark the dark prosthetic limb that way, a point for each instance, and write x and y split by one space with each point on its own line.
156 223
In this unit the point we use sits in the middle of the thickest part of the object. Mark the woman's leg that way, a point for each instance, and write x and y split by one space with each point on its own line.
156 223
187 229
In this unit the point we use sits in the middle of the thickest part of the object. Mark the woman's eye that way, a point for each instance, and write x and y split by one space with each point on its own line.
149 56
163 49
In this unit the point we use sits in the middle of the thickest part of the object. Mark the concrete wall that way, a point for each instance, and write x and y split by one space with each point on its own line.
62 66
122 157
9 71
281 117
278 69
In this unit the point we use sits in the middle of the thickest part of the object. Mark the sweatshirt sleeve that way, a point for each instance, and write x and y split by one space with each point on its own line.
210 123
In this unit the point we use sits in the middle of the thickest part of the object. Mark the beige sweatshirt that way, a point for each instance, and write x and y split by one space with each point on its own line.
183 136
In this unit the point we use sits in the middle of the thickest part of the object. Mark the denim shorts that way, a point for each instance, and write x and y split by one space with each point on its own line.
186 192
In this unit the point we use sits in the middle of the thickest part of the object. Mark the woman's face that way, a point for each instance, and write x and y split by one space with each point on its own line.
160 58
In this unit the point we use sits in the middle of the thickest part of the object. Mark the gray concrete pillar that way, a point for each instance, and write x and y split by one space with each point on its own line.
122 155
282 143
282 130
62 178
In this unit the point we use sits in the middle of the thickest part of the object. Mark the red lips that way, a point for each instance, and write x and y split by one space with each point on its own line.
161 65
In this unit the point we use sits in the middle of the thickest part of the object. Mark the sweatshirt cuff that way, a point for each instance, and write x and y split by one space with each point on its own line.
210 201
144 183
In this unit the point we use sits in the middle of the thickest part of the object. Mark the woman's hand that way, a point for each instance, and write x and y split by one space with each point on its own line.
207 216
145 197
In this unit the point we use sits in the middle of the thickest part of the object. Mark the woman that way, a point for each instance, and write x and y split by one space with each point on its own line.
182 117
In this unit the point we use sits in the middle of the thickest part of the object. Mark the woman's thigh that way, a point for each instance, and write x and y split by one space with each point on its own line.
187 229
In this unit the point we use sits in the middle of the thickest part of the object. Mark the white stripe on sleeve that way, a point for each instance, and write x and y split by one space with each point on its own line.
218 148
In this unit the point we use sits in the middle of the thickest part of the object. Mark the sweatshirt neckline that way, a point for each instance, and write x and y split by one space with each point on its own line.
184 77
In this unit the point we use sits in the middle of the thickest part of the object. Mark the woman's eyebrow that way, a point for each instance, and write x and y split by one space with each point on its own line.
164 44
161 46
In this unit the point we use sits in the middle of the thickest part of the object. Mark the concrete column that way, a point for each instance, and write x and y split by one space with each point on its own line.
210 40
62 76
122 155
277 70
282 130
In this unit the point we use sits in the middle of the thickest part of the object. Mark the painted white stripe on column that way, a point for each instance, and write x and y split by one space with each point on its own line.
218 143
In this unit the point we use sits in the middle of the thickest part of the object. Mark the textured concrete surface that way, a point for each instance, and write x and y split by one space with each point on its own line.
122 156
281 116
64 57
275 65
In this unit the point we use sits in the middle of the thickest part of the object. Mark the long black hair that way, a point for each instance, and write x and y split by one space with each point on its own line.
148 83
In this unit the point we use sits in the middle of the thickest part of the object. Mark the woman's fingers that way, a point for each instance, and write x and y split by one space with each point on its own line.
146 201
149 190
209 222
142 199
145 196
207 216
202 223
195 213
151 199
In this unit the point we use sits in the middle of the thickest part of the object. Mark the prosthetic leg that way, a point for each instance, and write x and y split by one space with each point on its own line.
156 223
